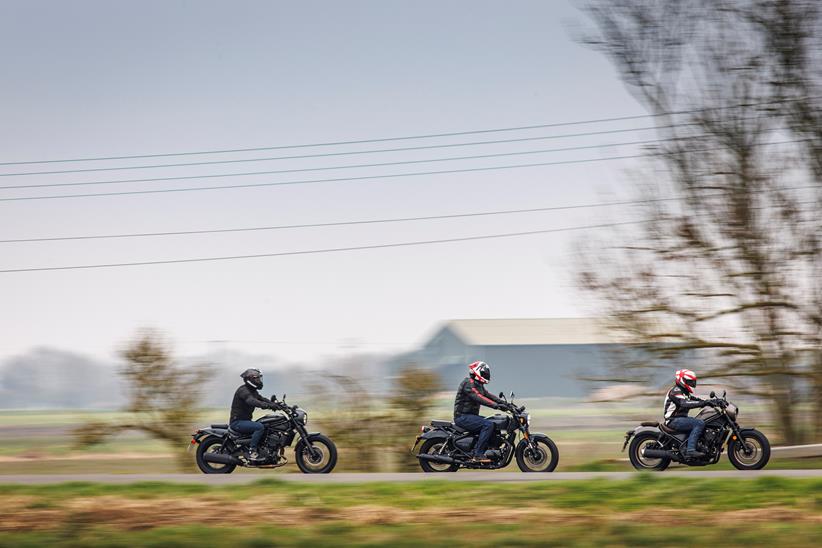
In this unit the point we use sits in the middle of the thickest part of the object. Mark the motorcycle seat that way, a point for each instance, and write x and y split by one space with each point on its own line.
220 426
448 425
651 424
668 430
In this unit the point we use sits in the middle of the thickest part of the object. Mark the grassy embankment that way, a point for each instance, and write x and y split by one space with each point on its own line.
767 511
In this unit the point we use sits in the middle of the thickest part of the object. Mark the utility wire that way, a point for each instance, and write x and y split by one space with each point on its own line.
408 137
301 170
318 251
371 221
330 224
356 178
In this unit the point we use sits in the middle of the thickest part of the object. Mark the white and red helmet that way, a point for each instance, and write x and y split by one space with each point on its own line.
686 379
480 371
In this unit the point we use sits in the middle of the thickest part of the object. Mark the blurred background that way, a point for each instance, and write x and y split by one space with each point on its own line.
361 198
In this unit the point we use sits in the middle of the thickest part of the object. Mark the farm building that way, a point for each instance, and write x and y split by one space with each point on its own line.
532 357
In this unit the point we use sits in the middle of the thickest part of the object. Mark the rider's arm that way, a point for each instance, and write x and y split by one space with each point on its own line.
690 403
261 402
480 395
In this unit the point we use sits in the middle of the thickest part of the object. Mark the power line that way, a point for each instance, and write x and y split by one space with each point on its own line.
318 251
348 179
370 221
301 170
330 224
407 137
346 153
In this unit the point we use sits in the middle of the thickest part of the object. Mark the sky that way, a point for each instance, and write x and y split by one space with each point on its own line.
99 79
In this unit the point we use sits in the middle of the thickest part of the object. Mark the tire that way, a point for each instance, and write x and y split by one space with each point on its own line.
755 440
432 446
640 441
545 461
212 444
325 463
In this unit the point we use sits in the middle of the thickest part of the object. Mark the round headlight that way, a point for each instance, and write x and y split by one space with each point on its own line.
305 418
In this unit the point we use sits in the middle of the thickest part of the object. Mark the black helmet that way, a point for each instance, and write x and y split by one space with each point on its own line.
253 378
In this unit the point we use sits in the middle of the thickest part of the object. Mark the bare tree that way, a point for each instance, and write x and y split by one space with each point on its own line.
163 397
729 270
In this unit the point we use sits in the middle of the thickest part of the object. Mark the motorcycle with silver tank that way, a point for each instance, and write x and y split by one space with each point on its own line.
220 449
653 445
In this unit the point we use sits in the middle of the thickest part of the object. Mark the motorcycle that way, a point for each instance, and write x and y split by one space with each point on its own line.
446 447
654 446
221 449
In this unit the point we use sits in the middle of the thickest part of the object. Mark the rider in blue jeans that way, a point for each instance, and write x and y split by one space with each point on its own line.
246 399
678 402
470 396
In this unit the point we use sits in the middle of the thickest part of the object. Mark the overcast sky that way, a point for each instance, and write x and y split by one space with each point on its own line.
96 79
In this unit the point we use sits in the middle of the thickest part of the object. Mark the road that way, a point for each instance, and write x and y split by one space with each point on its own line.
492 477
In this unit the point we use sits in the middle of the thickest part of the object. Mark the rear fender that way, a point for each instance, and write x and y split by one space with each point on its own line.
644 427
200 435
432 434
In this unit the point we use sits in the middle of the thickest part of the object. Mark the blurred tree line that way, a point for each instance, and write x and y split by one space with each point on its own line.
730 270
164 402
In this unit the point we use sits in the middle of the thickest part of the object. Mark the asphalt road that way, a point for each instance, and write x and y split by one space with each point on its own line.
493 477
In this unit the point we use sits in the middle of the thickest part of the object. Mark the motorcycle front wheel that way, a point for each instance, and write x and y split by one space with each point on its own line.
752 452
320 458
543 457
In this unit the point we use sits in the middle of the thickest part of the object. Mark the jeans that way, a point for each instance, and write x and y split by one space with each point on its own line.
256 430
685 424
474 423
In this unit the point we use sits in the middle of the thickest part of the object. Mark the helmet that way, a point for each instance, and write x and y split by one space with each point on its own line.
253 378
480 371
686 379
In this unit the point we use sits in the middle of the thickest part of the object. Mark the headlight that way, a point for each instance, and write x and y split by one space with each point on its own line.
305 418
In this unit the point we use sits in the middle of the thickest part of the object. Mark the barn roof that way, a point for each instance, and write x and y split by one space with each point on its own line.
530 331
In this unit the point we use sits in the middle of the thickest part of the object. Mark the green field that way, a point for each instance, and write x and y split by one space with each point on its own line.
762 512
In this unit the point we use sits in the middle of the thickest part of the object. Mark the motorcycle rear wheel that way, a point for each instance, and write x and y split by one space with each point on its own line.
641 462
433 446
212 445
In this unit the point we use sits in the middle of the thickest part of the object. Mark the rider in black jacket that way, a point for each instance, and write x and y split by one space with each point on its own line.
470 396
246 399
678 402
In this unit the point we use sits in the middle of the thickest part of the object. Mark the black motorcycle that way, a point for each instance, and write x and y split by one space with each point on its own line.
220 449
446 447
654 445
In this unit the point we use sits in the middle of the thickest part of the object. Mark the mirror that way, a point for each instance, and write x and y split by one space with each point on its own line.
723 393
273 397
283 397
512 395
501 395
713 394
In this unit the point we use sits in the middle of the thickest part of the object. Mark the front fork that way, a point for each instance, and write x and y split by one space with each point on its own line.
312 451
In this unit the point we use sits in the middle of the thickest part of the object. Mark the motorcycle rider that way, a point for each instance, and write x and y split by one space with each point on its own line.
678 402
246 399
470 396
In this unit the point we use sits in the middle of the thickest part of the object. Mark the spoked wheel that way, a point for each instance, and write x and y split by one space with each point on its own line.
318 458
212 445
752 452
542 457
433 447
647 440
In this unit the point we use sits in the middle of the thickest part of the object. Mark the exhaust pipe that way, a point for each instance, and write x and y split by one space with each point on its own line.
221 459
436 458
657 454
